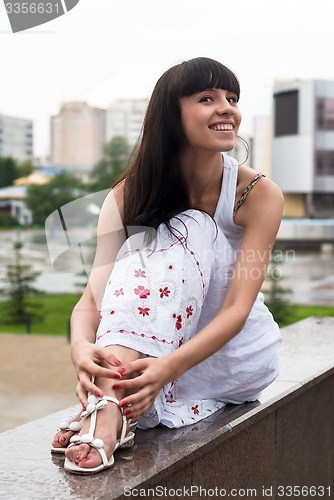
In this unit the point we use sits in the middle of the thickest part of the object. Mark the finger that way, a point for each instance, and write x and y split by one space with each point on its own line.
139 398
86 386
98 371
132 384
134 411
104 354
134 366
82 395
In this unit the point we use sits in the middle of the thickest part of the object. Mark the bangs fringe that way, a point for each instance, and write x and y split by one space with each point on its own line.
203 73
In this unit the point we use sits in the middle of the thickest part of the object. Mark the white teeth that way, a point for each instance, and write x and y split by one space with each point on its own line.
221 127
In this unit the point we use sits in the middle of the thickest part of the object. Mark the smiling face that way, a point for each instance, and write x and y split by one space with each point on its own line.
211 119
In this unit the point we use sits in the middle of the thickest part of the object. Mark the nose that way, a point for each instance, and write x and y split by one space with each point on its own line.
224 107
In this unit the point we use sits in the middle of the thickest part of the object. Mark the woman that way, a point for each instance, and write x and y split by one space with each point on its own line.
177 327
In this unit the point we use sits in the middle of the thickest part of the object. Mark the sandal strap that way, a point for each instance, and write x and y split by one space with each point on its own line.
124 421
95 404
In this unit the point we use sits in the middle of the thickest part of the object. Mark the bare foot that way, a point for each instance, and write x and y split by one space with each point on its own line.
108 427
62 437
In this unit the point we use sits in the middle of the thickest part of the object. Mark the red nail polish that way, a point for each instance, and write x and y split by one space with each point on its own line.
117 362
123 404
127 412
122 370
115 386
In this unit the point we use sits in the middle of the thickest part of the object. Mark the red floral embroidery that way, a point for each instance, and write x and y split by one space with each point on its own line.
195 409
139 273
178 322
164 292
142 292
169 397
112 312
170 266
144 311
119 292
189 311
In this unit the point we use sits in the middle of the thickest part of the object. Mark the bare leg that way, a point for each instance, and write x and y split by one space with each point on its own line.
109 421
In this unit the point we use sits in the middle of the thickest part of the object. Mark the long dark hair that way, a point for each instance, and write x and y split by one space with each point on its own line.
154 188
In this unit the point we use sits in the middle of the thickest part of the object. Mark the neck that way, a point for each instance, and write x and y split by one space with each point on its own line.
202 173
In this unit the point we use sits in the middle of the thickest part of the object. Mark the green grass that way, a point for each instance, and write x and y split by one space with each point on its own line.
54 313
297 312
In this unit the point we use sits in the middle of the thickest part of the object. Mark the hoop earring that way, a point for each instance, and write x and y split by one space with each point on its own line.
242 143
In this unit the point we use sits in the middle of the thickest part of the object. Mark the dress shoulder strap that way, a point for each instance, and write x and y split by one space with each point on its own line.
246 192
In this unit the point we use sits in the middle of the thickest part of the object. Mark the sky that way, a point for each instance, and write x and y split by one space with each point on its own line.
105 50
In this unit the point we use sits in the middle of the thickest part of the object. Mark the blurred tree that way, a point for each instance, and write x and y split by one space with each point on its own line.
277 297
9 171
46 198
18 286
115 158
25 168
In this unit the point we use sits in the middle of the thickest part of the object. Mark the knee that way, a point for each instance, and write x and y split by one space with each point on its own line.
194 224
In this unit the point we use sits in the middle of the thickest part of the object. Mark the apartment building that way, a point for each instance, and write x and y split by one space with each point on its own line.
125 118
303 147
16 138
77 137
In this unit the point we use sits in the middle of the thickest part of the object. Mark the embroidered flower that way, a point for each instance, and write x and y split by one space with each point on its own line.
139 273
189 311
142 292
119 292
195 409
169 397
178 322
144 311
164 292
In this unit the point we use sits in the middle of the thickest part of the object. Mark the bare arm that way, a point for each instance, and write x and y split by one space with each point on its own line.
85 317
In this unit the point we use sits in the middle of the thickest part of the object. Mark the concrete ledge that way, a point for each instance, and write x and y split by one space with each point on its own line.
285 439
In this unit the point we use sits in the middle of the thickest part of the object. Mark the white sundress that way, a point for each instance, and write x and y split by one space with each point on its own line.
160 294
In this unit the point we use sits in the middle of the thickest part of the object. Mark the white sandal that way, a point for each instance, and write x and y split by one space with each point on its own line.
76 426
126 440
67 425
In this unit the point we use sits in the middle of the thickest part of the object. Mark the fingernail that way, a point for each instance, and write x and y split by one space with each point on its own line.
123 404
122 370
127 412
118 375
115 386
99 394
62 439
117 362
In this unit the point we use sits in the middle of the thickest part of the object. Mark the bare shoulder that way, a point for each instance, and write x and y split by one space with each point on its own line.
265 198
111 215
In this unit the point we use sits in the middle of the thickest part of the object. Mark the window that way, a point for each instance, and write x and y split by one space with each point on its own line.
324 163
286 113
325 114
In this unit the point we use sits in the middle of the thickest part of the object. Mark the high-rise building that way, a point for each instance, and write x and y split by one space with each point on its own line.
303 147
16 138
125 118
77 137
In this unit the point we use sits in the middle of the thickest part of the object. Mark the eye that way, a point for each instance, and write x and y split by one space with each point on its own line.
206 98
233 99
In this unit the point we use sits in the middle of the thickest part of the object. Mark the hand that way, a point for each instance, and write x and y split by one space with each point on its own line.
151 374
87 359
